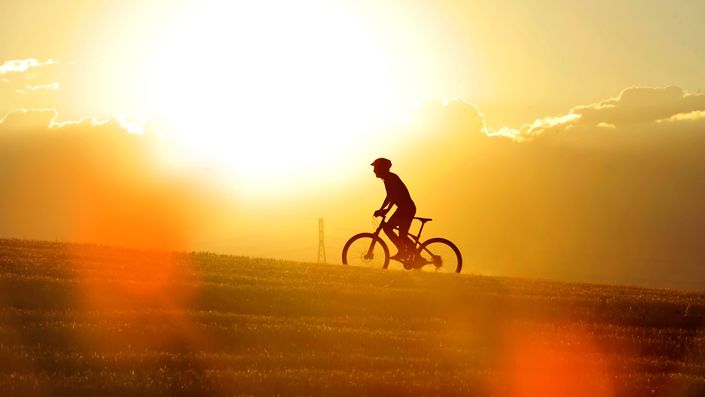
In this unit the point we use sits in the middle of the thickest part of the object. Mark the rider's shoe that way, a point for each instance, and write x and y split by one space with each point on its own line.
400 256
418 262
414 262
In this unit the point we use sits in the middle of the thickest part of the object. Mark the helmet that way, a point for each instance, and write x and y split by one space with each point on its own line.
382 163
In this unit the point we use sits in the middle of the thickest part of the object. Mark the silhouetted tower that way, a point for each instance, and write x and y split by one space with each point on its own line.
321 246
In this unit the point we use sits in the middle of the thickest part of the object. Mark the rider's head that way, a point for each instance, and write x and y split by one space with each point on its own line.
381 166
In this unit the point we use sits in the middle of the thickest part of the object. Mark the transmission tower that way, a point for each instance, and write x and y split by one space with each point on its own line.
321 246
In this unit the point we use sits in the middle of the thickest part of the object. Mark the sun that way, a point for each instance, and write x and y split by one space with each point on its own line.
271 88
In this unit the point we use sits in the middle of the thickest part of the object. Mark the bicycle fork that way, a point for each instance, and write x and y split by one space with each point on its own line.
370 252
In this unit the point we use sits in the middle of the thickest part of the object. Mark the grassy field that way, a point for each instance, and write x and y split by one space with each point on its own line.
81 320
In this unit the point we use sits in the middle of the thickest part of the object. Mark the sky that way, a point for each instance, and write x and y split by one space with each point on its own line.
553 139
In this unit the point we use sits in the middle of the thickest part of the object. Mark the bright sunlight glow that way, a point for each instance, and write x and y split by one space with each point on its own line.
271 99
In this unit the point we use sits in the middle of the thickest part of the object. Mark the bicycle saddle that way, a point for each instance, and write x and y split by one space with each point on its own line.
423 220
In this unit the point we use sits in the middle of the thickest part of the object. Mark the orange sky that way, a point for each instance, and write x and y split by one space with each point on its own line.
553 140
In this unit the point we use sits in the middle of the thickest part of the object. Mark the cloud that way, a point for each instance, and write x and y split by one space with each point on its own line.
38 119
440 113
39 87
29 83
539 126
640 105
23 65
689 116
28 119
636 107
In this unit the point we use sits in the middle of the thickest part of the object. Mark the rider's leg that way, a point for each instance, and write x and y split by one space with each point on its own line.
389 231
401 219
404 225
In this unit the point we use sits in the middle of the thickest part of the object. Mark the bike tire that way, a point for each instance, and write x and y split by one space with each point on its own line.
357 247
443 254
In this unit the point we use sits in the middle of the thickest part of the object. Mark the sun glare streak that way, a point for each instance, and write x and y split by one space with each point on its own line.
274 98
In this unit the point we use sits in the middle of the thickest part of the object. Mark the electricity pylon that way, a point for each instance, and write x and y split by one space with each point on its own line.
321 246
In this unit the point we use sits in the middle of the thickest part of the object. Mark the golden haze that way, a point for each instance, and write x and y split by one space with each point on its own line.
608 192
544 165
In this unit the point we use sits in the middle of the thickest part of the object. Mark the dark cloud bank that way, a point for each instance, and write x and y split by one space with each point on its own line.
609 192
94 182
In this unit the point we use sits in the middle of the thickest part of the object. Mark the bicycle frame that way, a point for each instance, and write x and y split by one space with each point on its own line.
416 239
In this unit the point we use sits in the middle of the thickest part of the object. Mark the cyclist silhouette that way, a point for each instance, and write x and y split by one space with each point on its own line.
397 194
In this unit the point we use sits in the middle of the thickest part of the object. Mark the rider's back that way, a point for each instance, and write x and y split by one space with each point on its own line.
397 191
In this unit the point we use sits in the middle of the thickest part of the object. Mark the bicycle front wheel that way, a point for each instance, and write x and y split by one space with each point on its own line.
366 250
442 254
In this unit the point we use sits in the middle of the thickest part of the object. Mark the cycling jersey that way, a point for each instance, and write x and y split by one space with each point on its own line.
397 192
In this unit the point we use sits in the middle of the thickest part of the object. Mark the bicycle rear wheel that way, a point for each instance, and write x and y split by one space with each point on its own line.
366 250
442 254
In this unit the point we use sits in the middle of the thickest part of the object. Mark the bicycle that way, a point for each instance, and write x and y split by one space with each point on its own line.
369 250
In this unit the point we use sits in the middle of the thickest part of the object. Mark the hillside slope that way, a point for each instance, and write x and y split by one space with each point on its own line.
100 321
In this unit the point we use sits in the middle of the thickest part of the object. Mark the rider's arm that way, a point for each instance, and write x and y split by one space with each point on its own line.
388 199
387 204
385 207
